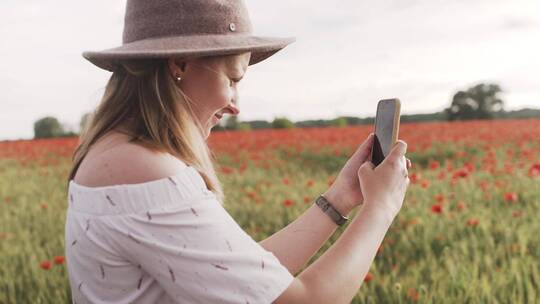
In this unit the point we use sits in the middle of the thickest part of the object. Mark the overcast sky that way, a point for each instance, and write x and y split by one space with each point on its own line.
348 55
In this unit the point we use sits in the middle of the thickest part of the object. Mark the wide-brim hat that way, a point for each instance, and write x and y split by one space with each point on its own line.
187 29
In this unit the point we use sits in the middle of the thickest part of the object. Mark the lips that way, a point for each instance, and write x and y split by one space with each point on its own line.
217 118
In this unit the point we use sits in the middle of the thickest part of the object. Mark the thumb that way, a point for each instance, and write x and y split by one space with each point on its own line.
399 150
366 168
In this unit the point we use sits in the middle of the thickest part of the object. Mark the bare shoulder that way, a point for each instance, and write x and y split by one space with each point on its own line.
115 161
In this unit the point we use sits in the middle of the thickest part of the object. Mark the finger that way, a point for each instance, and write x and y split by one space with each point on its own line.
365 148
398 151
368 142
405 172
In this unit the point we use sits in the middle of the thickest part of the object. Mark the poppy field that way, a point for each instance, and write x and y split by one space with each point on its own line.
468 231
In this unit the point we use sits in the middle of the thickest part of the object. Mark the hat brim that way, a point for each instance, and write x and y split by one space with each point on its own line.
190 47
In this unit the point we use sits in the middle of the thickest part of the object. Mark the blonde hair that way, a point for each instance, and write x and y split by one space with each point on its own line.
142 101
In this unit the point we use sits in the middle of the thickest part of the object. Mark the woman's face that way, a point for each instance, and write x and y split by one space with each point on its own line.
211 85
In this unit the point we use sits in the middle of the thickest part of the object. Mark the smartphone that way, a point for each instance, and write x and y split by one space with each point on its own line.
386 129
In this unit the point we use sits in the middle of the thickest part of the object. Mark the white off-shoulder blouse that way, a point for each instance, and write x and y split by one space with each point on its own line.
164 241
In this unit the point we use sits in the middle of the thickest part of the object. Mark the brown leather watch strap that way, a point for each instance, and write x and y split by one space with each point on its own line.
327 208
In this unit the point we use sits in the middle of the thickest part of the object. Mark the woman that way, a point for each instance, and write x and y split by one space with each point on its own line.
145 222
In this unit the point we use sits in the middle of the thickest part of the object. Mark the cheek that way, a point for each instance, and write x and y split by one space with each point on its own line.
220 96
211 95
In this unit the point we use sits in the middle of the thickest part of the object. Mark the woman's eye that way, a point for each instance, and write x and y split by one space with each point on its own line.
234 82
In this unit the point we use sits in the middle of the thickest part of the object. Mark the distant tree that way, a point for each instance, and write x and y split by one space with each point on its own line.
259 124
339 122
48 127
85 119
68 130
231 122
479 102
282 123
69 134
243 126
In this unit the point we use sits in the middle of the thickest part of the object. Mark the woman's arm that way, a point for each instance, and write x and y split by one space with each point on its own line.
306 235
336 276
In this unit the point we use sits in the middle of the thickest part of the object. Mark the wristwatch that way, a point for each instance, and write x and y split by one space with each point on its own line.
327 208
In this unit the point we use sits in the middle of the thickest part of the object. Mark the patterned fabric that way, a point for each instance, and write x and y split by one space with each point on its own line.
164 241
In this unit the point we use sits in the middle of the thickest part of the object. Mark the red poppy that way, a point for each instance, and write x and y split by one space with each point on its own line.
508 168
307 199
227 170
243 167
425 183
511 197
437 208
412 294
45 265
469 166
258 228
310 183
288 202
285 181
415 221
331 180
517 213
59 259
368 277
473 222
414 177
460 206
484 185
534 170
500 184
252 194
461 173
440 198
434 165
44 206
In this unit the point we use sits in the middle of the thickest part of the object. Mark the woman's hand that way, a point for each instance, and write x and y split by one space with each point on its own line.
345 193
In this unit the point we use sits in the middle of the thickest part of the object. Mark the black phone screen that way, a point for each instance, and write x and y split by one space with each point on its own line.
384 129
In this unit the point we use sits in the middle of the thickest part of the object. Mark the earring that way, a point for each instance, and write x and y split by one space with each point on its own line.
178 78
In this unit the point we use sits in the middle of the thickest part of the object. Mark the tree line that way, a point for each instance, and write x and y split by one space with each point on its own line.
481 101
